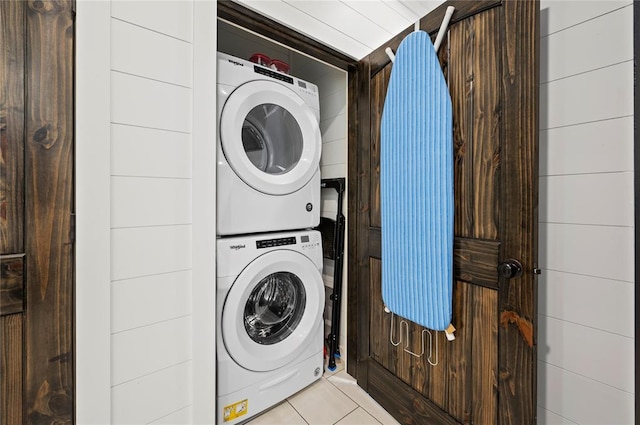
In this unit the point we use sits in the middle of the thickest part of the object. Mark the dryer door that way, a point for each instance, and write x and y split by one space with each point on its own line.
271 309
270 137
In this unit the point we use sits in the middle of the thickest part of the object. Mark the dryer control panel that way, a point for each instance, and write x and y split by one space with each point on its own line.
234 72
273 74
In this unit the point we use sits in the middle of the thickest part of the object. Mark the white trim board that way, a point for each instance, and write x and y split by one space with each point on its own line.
92 170
204 211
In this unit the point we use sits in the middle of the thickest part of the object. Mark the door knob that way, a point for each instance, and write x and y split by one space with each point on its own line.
510 269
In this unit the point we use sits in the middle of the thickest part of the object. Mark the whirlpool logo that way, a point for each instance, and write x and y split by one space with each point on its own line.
237 247
235 63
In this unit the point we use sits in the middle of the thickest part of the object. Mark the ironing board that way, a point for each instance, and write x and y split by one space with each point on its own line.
416 186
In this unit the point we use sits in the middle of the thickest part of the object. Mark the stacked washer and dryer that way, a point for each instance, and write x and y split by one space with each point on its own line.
270 293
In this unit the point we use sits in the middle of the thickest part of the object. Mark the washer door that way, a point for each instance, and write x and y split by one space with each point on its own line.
270 137
271 309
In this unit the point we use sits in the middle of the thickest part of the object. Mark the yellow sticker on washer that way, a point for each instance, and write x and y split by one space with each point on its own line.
235 410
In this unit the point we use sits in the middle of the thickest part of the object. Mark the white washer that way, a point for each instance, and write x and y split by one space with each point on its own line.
269 146
270 300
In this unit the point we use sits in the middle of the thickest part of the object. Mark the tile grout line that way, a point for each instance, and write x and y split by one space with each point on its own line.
348 413
358 404
296 410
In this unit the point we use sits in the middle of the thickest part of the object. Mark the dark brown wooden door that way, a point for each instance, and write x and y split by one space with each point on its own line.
36 194
488 374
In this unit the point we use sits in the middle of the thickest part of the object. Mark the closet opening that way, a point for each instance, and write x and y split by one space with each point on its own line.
244 34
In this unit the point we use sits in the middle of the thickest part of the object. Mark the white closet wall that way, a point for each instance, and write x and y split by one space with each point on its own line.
151 176
586 290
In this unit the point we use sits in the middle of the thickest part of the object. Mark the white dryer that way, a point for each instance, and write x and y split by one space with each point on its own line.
270 300
269 146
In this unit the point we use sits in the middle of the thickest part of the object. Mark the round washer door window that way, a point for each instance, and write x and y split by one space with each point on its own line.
274 308
270 137
271 310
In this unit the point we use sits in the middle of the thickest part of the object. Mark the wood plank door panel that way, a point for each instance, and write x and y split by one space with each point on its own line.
12 284
49 379
36 204
487 375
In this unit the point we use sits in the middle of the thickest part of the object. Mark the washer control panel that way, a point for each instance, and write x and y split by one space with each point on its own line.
270 243
310 241
234 253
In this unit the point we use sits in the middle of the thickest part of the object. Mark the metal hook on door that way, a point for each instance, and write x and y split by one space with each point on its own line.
431 350
441 32
405 325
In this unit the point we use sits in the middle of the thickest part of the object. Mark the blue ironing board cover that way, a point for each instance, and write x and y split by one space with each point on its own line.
416 187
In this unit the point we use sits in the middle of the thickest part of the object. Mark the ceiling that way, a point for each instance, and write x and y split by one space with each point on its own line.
353 27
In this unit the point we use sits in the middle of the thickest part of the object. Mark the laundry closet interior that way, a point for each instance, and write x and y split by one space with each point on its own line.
332 84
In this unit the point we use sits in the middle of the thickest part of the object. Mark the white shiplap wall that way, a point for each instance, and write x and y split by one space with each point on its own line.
586 291
151 211
355 28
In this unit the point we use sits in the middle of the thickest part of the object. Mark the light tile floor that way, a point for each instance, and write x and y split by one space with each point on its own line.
336 399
